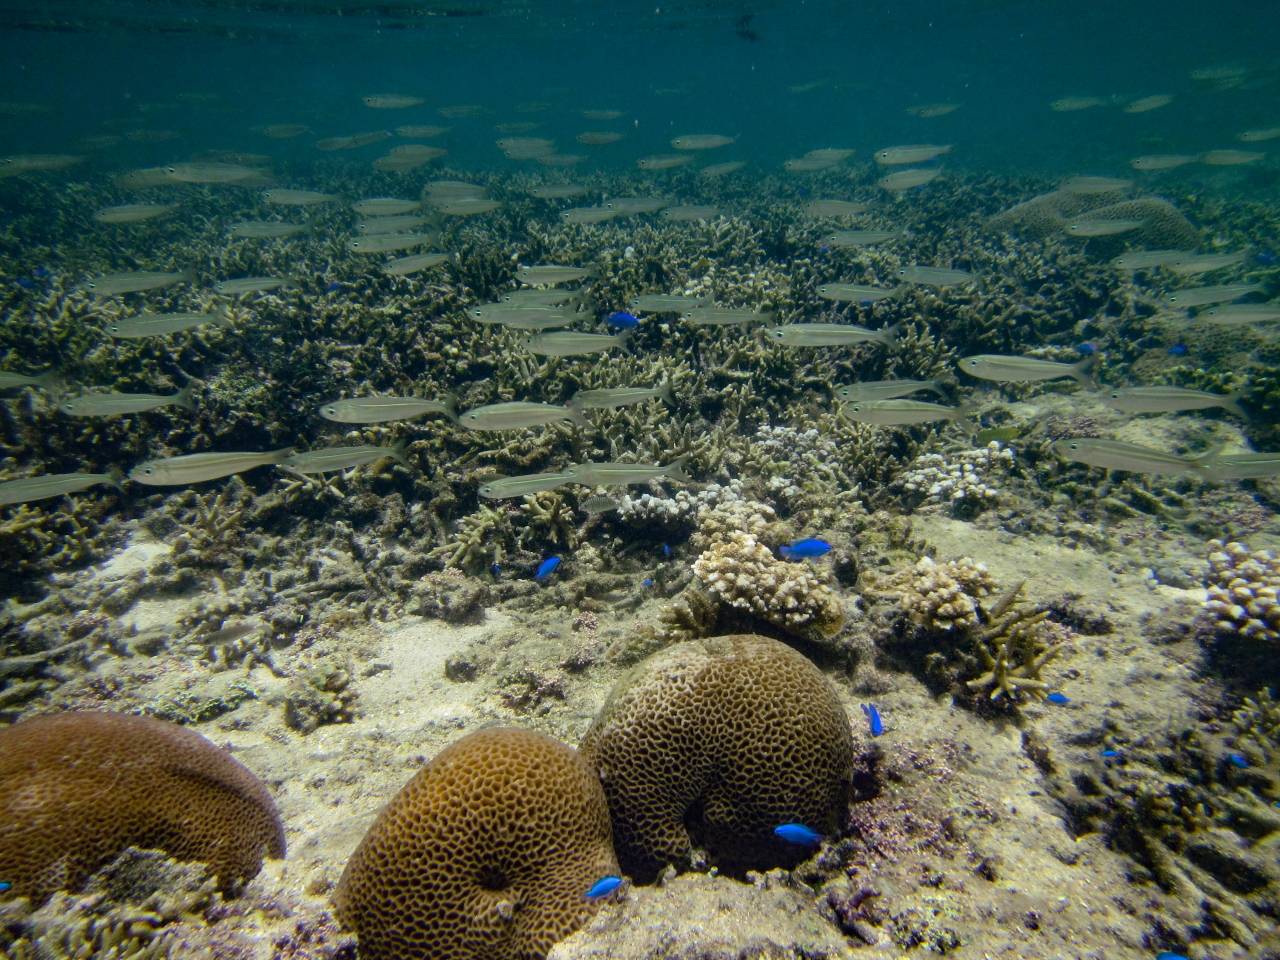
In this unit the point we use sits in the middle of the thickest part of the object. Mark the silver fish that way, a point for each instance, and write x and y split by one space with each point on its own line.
588 215
1004 369
198 467
615 397
689 213
134 281
909 178
297 198
1161 161
384 225
391 101
722 169
934 276
830 334
913 153
1101 228
47 381
632 205
521 316
884 389
502 488
570 343
663 161
843 239
665 303
1147 104
725 316
1191 263
550 274
134 212
211 172
1200 296
542 298
466 206
385 243
1237 313
1166 399
118 404
518 415
594 506
893 412
384 409
265 229
1130 457
1243 466
1231 158
328 459
623 474
30 489
244 285
558 191
384 206
1085 186
701 141
1147 259
404 266
855 292
159 324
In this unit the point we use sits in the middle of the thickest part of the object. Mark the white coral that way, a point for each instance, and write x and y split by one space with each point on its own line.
1243 585
959 480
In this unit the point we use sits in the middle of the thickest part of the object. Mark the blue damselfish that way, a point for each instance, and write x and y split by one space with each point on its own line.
603 887
805 549
546 568
798 834
873 719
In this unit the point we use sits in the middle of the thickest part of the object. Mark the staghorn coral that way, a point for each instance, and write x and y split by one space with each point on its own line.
742 573
713 743
483 539
1242 587
483 855
77 788
1258 721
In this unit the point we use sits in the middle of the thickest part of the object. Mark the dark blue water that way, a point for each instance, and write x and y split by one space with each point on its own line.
213 71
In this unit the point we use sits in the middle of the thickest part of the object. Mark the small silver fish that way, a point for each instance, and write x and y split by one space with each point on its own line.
830 334
1231 158
1130 457
588 215
384 409
265 229
913 153
46 381
518 415
1192 263
1101 228
392 224
884 389
198 467
542 298
664 161
550 274
558 191
1162 161
893 412
1085 186
908 179
689 213
722 169
1147 259
1238 313
1147 104
701 141
624 474
118 404
388 242
30 489
595 506
384 206
297 198
665 303
391 101
1200 296
160 324
405 266
133 281
1166 399
328 459
245 285
466 206
855 292
1005 369
502 488
934 276
725 316
1243 466
615 397
134 212
570 343
843 239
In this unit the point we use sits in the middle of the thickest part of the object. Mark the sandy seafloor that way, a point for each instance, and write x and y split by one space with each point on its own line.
980 863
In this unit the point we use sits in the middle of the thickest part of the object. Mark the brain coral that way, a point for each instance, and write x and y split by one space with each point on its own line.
486 854
78 788
714 743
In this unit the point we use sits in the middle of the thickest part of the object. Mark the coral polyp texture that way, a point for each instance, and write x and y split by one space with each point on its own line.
742 573
1242 591
486 854
712 744
945 596
76 789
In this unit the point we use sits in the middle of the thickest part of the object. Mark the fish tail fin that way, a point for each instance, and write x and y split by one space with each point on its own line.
1232 404
574 403
1082 372
221 316
52 381
185 398
889 335
281 455
665 394
935 386
1205 464
576 415
450 402
784 552
115 477
623 335
399 452
675 470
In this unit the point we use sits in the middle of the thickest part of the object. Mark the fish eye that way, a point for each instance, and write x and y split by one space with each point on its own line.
170 169
329 411
1115 394
1074 446
148 471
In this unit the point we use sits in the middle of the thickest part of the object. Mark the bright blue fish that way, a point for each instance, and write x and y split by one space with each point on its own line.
1110 753
334 286
26 283
798 834
873 719
495 568
647 582
1169 955
546 568
1087 349
804 549
603 887
666 550
621 320
1238 760
1058 698
1179 350
5 885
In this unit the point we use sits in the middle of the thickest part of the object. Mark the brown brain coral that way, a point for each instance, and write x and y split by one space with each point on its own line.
486 854
715 742
76 789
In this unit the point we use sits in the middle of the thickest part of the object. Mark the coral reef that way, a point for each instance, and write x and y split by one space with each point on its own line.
960 482
485 854
78 788
1242 589
713 743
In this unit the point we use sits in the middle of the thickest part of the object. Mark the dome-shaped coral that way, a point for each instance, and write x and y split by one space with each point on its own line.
715 743
76 789
486 854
